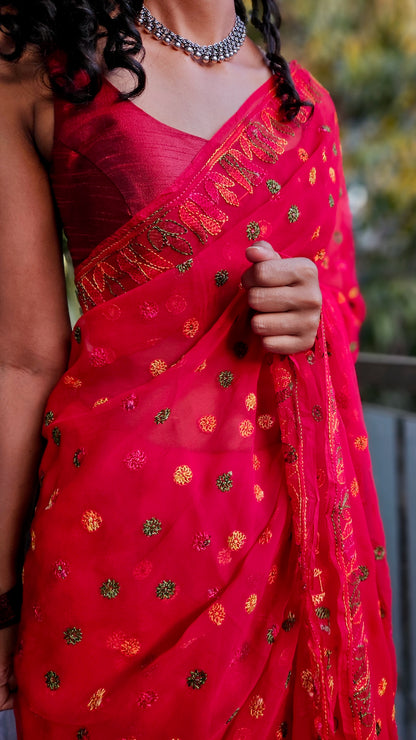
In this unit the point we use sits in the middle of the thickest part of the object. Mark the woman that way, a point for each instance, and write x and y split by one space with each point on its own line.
206 558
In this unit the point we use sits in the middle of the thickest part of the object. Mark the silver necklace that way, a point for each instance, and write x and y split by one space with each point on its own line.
214 53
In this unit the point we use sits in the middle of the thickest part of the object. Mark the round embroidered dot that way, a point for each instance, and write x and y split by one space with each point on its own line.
182 475
190 328
246 428
91 521
221 278
201 541
379 553
265 421
96 699
289 622
56 436
135 460
166 590
273 186
303 155
207 424
251 603
157 367
216 614
73 635
149 310
49 418
253 231
361 443
225 378
293 214
110 588
152 526
52 680
196 679
225 481
271 634
317 413
79 455
251 402
162 416
257 706
236 540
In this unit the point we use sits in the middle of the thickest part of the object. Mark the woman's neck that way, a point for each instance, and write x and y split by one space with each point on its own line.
202 21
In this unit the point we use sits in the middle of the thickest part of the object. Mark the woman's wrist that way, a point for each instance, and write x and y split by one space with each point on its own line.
10 606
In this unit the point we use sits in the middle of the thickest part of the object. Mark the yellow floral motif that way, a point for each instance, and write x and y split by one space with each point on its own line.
191 328
32 539
182 475
72 382
130 647
303 155
100 402
258 492
256 463
91 520
217 614
324 155
207 423
265 536
201 367
96 700
52 499
251 402
251 603
312 176
382 687
332 174
265 421
316 233
246 428
236 540
361 443
355 488
272 577
157 367
320 255
307 681
257 706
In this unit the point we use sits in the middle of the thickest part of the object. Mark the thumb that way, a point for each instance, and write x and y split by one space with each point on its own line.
261 252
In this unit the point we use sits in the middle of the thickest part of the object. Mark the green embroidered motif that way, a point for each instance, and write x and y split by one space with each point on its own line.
152 526
196 679
110 589
52 680
225 481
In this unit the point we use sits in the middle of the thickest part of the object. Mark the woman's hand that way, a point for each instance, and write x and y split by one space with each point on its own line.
8 639
287 299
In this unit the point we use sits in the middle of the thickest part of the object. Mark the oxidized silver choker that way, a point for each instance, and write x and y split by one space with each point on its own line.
212 54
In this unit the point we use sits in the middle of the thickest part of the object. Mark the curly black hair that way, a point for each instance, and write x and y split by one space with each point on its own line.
72 32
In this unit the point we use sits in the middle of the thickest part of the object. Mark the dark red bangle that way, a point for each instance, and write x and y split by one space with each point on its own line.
10 606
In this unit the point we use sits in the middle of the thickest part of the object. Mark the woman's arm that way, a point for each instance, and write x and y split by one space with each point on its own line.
34 324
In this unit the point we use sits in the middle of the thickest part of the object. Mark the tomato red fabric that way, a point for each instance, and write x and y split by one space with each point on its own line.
207 556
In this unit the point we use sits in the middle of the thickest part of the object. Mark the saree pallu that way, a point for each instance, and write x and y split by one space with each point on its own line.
207 558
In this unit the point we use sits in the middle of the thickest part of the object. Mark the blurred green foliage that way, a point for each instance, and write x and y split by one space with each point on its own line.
364 52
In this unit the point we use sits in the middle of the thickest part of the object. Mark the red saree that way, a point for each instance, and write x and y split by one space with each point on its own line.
207 556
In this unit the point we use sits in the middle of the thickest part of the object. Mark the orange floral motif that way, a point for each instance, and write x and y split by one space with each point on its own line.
355 488
303 155
52 499
265 421
265 536
272 577
91 520
72 382
96 699
217 614
182 475
382 687
258 492
312 176
191 328
324 155
246 428
207 423
332 174
361 443
251 402
157 367
316 233
251 603
257 706
307 682
100 402
256 463
236 540
320 255
130 647
201 367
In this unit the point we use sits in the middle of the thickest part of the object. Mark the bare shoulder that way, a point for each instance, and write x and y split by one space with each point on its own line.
26 102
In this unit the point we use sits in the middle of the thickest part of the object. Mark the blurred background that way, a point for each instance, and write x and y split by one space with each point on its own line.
364 52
